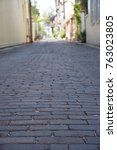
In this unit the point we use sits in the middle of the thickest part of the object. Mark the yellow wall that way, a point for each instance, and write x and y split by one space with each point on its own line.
13 22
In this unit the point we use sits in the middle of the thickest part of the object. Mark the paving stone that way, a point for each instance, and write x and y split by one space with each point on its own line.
68 112
82 147
84 127
51 117
93 121
49 127
68 121
28 122
91 140
36 113
13 128
2 118
3 134
44 133
3 123
49 97
59 147
60 140
69 133
16 140
92 117
24 147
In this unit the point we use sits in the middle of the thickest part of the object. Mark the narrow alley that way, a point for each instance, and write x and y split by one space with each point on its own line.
49 97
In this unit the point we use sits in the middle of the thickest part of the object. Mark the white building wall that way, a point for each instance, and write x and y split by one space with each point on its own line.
12 22
93 23
69 8
83 22
92 32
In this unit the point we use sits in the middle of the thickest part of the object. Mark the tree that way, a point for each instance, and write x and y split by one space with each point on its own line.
49 19
77 10
35 20
78 7
42 31
35 12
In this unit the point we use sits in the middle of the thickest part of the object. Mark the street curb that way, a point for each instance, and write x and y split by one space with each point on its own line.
3 49
86 44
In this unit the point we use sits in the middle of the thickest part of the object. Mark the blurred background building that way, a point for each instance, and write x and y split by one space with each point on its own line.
21 21
89 24
65 17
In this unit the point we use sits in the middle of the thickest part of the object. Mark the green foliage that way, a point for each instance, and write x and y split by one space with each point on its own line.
77 10
41 31
59 34
62 34
45 17
55 33
77 35
83 37
35 12
48 18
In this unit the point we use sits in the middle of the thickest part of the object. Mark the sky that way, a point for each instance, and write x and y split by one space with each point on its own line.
45 5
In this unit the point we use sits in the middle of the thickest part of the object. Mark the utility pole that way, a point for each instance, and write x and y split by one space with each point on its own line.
30 17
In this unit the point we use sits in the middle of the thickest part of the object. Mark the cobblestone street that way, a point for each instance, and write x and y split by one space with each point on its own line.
49 97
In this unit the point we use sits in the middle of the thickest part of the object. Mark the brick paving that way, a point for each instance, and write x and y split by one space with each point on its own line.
49 97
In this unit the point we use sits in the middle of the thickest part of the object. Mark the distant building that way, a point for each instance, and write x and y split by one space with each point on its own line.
14 22
60 14
70 20
90 19
93 22
64 17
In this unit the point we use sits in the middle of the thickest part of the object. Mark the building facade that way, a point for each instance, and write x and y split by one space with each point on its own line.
70 23
90 19
60 14
14 22
93 22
